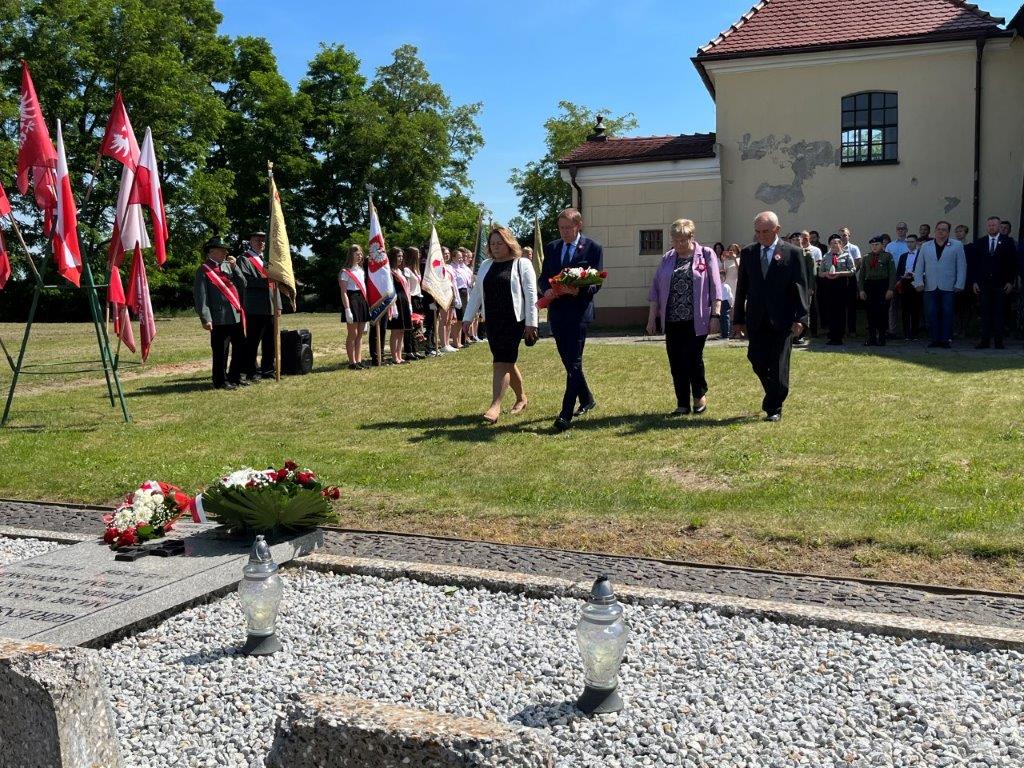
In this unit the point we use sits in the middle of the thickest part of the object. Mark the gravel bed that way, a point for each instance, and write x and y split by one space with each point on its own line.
12 549
700 689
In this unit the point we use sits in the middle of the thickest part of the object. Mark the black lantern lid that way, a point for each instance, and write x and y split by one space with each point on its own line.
602 593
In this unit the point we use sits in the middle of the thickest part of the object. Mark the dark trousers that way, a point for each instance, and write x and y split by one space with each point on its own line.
429 320
686 361
851 304
834 303
570 338
878 310
910 310
993 311
220 338
259 331
939 305
768 352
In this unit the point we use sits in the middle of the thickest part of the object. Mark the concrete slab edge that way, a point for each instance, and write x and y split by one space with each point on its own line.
61 537
950 634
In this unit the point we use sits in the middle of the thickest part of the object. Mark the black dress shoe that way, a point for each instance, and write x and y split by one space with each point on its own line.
240 383
585 408
774 416
254 379
228 385
561 424
700 408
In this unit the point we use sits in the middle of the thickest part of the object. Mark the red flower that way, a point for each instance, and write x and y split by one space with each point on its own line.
304 477
291 465
127 538
110 535
181 500
603 274
282 474
331 492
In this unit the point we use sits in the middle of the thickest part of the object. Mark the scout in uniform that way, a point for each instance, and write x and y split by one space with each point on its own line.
217 291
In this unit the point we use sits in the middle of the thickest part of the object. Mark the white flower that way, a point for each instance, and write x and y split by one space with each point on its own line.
241 478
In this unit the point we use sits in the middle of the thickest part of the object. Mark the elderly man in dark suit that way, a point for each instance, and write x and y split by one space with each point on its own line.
771 305
992 272
570 315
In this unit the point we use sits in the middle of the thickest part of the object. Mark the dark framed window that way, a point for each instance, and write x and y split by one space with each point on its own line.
651 242
870 128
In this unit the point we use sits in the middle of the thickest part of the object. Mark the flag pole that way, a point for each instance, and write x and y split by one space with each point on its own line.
276 295
21 240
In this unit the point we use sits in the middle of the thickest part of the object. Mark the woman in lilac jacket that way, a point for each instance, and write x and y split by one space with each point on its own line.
685 294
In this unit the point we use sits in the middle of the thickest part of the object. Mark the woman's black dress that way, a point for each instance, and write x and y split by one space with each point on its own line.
403 320
504 332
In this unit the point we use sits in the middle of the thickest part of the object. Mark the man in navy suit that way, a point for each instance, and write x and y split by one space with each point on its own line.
771 305
992 272
570 315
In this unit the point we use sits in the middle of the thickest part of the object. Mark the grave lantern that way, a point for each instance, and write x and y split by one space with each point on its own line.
601 634
260 594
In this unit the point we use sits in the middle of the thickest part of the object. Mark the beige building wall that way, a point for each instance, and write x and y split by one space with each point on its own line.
1002 132
779 129
619 201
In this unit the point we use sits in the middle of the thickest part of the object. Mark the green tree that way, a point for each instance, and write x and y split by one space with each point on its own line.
165 55
539 183
265 122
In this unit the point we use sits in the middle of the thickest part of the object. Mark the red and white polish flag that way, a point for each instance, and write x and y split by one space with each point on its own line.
380 288
65 235
120 144
140 303
37 156
146 191
5 261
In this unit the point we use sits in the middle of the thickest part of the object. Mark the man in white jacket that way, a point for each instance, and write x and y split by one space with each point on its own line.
940 272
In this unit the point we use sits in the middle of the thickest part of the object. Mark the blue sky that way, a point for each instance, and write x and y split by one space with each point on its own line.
520 59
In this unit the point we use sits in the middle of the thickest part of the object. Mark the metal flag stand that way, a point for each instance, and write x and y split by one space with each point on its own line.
19 367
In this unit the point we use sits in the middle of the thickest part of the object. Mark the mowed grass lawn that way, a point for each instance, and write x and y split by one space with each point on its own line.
906 463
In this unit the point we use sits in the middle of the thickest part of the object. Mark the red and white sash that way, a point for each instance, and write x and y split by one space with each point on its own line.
405 286
355 279
227 290
257 262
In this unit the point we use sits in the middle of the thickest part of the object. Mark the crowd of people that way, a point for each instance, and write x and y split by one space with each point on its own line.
777 292
936 283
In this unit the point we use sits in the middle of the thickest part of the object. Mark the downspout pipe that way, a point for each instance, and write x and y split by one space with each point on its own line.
577 187
980 46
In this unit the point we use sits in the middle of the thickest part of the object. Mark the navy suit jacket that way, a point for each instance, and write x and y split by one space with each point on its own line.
781 296
588 254
984 267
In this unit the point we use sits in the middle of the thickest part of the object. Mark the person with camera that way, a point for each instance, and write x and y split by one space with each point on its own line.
217 293
505 292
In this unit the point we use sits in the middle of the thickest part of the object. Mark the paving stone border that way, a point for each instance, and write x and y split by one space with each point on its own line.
917 601
952 634
332 731
54 708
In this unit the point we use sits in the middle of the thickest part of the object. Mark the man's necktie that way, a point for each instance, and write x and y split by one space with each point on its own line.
566 255
991 245
764 261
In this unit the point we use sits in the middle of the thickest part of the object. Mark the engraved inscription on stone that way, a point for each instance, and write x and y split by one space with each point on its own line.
45 594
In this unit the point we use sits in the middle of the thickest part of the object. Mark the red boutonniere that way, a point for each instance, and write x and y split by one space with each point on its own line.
700 267
778 257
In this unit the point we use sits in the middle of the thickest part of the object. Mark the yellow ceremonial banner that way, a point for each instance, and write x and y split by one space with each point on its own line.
538 247
279 267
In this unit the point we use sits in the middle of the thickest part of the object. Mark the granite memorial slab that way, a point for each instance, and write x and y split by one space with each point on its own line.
82 595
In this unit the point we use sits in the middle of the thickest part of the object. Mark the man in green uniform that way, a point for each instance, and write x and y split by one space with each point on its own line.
218 302
259 312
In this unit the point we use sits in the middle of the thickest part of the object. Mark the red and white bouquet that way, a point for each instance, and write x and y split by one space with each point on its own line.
570 277
265 500
147 513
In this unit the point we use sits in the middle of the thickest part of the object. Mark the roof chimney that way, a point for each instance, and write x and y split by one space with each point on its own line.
598 134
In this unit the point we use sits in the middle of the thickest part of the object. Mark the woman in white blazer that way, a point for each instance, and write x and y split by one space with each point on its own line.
505 292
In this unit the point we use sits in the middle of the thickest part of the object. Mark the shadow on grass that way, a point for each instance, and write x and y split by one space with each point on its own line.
177 387
471 428
962 358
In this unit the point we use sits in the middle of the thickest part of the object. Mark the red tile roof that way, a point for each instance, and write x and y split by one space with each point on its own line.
641 150
777 25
